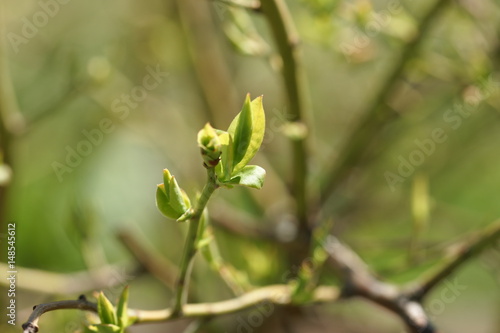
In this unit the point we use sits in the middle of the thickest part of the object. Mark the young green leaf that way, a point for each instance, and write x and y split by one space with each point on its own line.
241 130
171 200
167 179
174 192
250 176
121 308
177 198
106 310
247 130
224 168
163 203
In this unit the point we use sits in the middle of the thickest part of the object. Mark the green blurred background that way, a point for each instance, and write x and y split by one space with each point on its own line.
71 71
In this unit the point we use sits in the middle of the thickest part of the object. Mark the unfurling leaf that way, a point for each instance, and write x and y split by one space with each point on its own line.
171 200
250 176
163 204
224 168
247 131
122 307
106 310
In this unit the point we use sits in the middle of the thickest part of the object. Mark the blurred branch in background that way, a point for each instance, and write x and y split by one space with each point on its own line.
245 227
159 266
70 283
378 112
405 302
211 69
288 43
458 255
358 281
236 280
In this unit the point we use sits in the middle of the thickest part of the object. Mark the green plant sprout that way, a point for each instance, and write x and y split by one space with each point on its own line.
112 320
226 155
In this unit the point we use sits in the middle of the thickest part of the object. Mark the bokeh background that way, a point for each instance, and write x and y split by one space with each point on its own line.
72 68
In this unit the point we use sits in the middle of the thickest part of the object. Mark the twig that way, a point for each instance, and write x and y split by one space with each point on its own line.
31 326
360 282
287 40
274 295
378 112
153 262
190 245
406 302
461 254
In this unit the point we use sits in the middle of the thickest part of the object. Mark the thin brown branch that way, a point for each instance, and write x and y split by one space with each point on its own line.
31 326
360 282
404 302
151 260
265 296
462 253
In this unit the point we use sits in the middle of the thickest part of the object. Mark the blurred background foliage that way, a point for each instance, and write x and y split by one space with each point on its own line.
69 74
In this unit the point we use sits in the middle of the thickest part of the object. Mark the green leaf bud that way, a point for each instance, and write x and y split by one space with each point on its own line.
210 146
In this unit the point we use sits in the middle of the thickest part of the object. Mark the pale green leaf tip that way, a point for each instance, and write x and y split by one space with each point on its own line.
167 176
106 310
